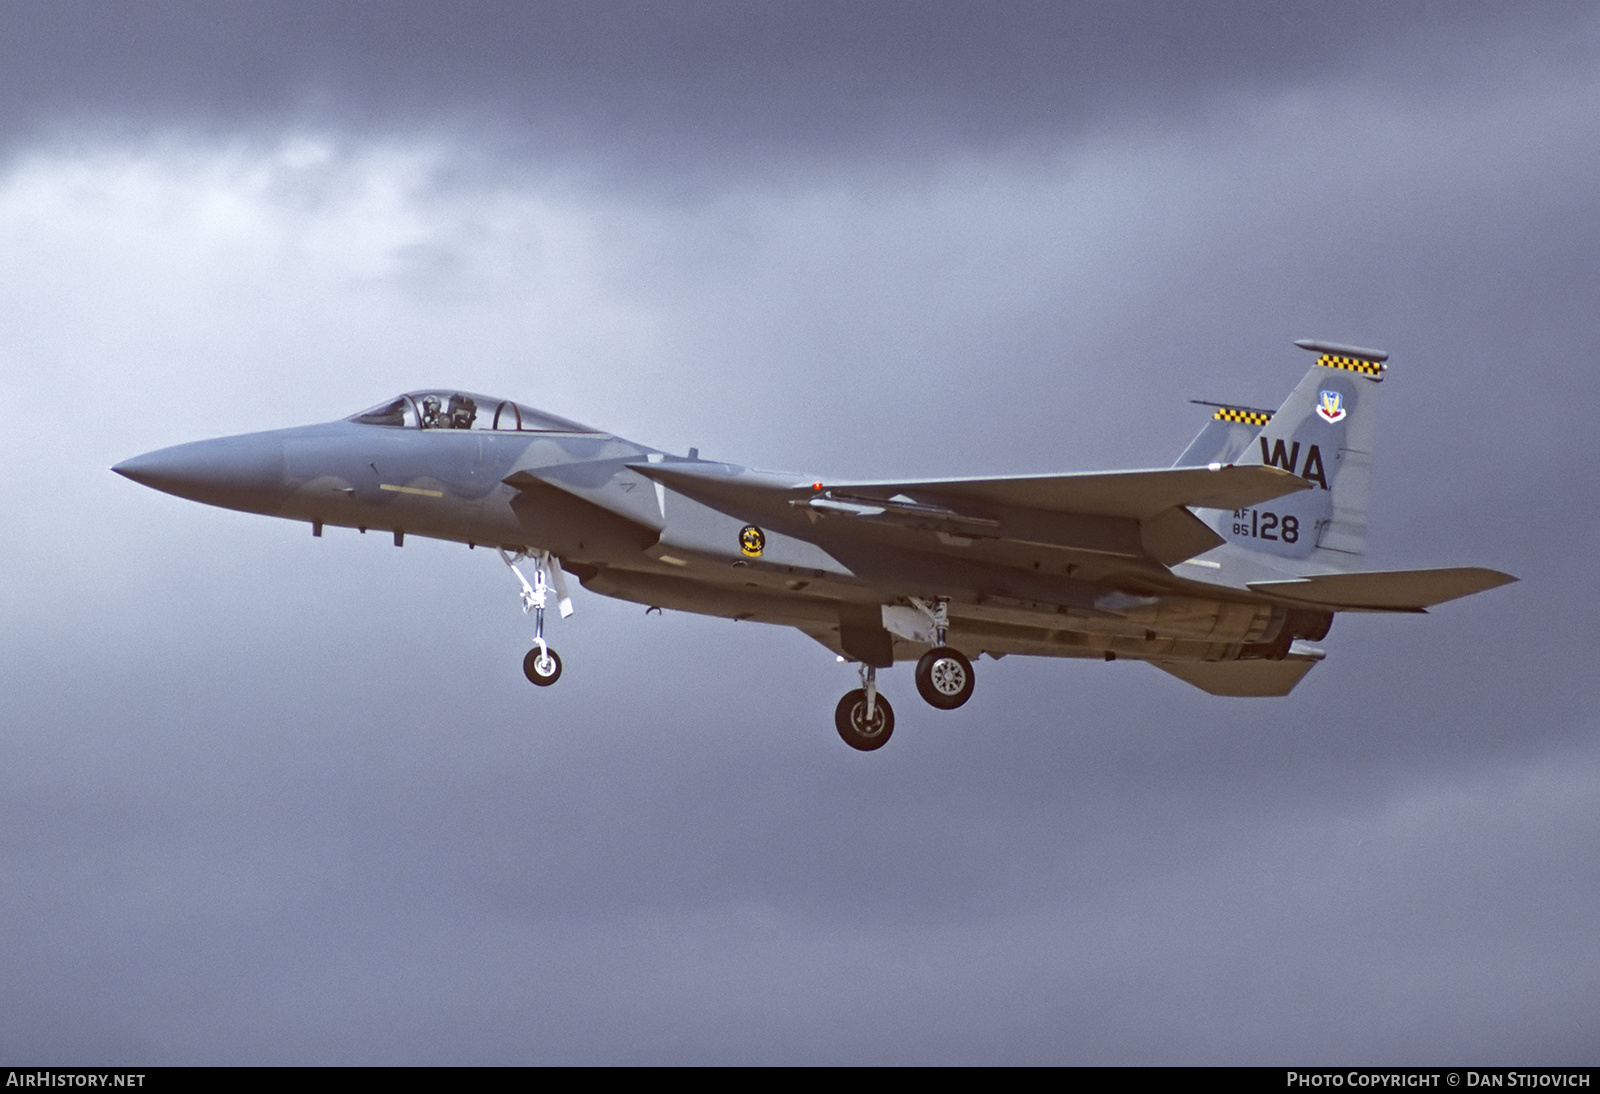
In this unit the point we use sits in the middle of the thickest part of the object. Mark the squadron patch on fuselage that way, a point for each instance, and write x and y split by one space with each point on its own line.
1330 406
752 541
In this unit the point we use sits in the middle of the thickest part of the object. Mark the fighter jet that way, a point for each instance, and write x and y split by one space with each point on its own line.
1222 570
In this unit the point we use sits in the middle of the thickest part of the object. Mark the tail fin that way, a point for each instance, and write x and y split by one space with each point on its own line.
1225 436
1323 432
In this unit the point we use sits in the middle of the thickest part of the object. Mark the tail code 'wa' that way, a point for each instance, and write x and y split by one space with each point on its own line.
1323 433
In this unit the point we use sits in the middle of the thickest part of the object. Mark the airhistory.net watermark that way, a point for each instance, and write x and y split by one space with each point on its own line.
47 1078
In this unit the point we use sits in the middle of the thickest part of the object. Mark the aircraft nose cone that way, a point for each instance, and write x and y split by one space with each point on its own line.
151 469
234 472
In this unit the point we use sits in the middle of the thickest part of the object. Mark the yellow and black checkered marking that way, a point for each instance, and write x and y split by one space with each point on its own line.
1239 414
1353 364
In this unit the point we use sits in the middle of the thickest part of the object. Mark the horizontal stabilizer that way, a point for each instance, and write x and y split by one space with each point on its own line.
1386 590
1241 679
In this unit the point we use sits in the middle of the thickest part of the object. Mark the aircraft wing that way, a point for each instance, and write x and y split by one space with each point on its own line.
1133 514
1135 494
1386 590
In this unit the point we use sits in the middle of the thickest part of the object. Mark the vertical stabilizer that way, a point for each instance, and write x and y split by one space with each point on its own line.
1224 437
1323 432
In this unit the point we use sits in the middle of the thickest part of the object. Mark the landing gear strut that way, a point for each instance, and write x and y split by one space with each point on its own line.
541 666
863 717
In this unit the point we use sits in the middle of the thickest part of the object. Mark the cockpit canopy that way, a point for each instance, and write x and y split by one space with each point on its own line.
464 410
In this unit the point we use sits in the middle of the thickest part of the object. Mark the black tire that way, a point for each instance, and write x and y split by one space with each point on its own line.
945 678
850 717
531 667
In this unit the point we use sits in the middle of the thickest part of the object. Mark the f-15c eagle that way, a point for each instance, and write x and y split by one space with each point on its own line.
1221 570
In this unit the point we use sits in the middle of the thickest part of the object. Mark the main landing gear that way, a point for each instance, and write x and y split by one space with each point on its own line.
863 717
944 679
541 666
944 675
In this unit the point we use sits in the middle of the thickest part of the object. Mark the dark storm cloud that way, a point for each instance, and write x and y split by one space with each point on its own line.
666 83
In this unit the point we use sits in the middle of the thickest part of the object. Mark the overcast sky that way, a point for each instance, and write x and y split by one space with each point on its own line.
271 799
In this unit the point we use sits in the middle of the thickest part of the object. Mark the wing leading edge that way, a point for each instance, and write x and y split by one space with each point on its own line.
1136 494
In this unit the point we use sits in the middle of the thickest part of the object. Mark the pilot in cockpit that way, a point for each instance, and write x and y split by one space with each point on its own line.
463 411
430 412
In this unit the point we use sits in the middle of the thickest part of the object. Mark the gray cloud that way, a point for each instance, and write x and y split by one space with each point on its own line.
654 85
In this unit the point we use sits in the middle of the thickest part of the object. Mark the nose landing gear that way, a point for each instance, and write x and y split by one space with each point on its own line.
541 665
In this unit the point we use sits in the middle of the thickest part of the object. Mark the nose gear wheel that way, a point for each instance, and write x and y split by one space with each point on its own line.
541 666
